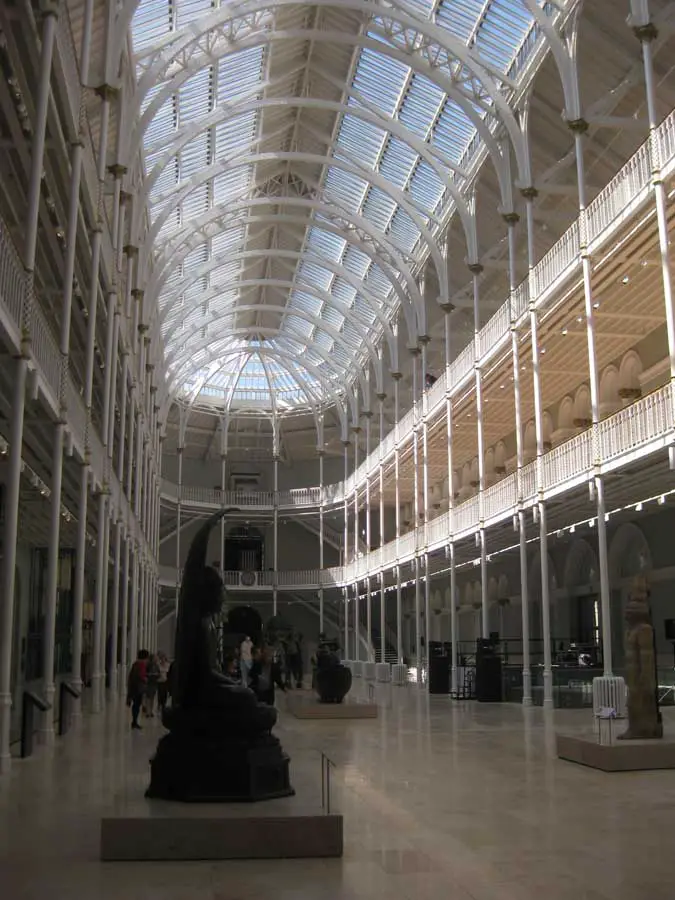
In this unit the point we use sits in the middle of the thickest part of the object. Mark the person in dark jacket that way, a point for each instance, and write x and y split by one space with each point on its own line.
265 674
136 684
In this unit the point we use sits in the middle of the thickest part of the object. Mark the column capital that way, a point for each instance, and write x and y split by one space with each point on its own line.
367 414
529 193
511 218
577 126
131 250
346 443
381 396
397 375
447 307
646 33
424 339
356 429
117 170
414 351
125 197
106 91
475 268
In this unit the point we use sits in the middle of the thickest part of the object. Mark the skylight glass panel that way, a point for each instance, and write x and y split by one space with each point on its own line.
197 305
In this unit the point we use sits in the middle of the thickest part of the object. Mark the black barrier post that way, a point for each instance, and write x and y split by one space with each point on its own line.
31 702
67 693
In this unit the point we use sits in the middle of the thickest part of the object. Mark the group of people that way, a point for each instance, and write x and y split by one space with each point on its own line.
149 683
260 668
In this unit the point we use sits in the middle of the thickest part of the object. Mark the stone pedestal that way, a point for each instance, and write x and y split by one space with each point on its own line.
220 769
383 673
622 756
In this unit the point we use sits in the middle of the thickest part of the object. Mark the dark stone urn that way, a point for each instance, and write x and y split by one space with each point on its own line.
333 680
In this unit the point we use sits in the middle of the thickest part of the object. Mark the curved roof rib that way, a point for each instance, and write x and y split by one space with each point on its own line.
293 195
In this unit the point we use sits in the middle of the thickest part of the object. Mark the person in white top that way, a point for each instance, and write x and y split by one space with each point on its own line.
245 659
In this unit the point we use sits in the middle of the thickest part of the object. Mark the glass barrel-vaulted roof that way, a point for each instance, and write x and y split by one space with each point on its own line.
298 157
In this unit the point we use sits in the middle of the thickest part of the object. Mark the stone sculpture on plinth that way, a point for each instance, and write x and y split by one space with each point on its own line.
332 679
644 718
219 747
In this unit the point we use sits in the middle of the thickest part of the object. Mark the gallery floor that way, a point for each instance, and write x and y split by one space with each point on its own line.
441 800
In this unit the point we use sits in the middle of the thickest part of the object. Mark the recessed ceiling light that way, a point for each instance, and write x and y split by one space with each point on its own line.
501 386
625 279
644 263
564 331
596 305
543 349
580 319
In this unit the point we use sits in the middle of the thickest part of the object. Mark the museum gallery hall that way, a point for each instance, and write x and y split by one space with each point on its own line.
337 441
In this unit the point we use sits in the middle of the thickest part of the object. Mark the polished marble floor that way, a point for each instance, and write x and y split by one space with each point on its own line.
441 801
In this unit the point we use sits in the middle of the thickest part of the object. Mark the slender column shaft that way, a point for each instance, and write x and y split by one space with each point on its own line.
454 688
80 555
425 496
369 599
397 491
416 518
133 605
476 269
383 610
589 304
276 534
12 496
539 429
223 487
522 531
124 643
178 526
357 611
321 539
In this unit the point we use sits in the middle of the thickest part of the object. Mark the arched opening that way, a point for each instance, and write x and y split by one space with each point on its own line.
244 549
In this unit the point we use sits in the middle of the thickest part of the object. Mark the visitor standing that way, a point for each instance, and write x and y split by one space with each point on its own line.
265 674
163 681
151 686
136 684
245 659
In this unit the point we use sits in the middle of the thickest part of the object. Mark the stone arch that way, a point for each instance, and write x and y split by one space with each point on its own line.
467 598
493 590
566 413
500 458
630 371
609 390
547 430
582 407
503 587
489 461
477 595
530 438
581 564
534 577
629 553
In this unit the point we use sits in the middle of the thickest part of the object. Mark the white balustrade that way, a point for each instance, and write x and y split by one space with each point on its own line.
12 278
665 141
567 462
619 194
406 545
438 530
500 499
494 330
563 254
528 480
466 517
639 424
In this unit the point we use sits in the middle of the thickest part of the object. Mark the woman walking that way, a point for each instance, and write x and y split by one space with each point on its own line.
136 684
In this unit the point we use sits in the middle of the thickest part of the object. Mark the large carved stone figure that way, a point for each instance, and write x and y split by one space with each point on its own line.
644 718
219 746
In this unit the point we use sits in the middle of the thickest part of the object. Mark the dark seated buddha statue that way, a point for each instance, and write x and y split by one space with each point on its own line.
219 746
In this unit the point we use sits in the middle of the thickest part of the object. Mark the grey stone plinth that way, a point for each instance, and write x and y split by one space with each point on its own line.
399 674
310 708
357 668
369 671
621 756
383 673
175 832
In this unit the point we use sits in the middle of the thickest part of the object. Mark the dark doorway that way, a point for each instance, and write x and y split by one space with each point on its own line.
244 550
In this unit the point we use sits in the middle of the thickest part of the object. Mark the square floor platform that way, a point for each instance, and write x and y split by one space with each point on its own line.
308 707
274 829
621 756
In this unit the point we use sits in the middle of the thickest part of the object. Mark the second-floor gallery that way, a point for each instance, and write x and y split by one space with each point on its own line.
392 279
